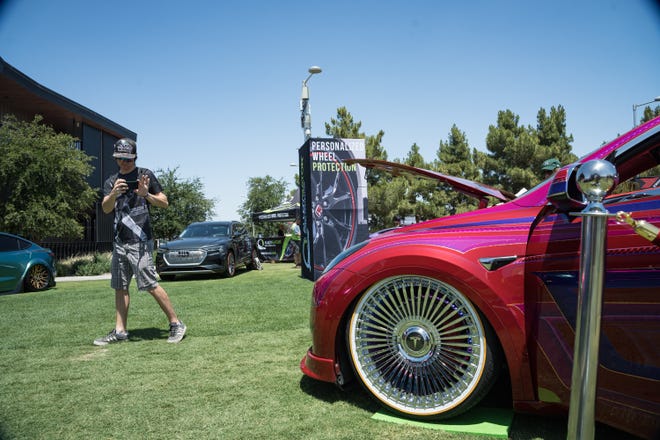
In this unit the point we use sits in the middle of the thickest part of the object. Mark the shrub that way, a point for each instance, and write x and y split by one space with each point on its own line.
82 265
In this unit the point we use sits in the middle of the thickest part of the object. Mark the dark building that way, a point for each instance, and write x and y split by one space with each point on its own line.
25 98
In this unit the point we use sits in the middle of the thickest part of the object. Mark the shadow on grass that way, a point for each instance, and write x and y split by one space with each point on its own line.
352 393
3 432
203 276
147 334
528 427
523 427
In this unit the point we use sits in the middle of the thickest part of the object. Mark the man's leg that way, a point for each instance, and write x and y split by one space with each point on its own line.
122 301
146 276
119 333
120 280
177 328
163 300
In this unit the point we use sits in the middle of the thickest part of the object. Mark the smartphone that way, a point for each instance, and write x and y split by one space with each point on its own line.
132 185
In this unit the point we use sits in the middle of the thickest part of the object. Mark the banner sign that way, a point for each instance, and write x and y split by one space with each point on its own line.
275 216
279 248
333 201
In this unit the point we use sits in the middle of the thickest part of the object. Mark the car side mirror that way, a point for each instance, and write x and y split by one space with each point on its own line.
563 192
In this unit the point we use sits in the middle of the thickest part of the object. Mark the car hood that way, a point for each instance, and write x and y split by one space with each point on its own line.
195 242
464 186
498 231
501 223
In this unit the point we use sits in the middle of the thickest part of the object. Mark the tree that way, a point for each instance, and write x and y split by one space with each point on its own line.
650 113
380 185
516 152
553 140
395 195
512 149
263 193
417 192
43 181
647 116
374 147
344 126
454 158
386 201
187 204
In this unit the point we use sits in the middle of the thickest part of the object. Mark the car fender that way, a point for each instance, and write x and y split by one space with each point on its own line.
500 302
32 263
20 283
239 255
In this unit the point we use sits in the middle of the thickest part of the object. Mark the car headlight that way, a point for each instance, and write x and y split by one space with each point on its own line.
221 249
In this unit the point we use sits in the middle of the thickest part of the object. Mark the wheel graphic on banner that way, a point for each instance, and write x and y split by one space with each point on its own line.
335 214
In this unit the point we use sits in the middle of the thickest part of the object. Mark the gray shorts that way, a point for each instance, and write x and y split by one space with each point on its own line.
130 259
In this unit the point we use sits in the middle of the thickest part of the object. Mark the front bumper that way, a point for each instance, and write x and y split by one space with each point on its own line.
206 263
319 368
197 270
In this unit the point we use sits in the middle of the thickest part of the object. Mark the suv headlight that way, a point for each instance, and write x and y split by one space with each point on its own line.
220 249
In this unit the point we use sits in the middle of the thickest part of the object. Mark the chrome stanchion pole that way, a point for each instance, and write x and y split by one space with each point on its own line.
595 179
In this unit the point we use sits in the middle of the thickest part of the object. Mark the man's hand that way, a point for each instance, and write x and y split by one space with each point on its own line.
119 188
143 185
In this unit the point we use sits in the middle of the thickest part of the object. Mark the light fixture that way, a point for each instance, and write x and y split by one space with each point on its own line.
656 99
305 112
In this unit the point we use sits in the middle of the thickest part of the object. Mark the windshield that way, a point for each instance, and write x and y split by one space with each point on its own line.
205 230
520 194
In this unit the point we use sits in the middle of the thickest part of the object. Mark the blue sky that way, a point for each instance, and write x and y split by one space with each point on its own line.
213 87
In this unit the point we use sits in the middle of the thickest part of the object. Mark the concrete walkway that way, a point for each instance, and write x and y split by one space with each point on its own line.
105 276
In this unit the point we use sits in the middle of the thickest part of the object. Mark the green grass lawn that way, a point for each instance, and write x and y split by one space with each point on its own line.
234 376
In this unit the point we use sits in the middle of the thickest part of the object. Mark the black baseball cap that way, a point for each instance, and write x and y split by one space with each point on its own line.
125 148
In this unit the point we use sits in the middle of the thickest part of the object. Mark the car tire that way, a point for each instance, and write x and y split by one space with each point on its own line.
38 278
230 265
421 348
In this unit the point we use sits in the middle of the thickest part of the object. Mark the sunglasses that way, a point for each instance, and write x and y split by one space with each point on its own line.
124 159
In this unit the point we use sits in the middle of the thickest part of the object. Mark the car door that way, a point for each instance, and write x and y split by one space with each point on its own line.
13 260
629 361
242 242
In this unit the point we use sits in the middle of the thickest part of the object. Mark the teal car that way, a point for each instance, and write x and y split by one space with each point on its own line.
24 265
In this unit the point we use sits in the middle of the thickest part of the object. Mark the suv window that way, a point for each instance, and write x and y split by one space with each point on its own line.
237 229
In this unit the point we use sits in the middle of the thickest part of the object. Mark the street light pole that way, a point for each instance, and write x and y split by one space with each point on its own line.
656 99
305 112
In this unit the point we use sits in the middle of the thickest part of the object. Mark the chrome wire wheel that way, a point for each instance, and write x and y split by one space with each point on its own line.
419 347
